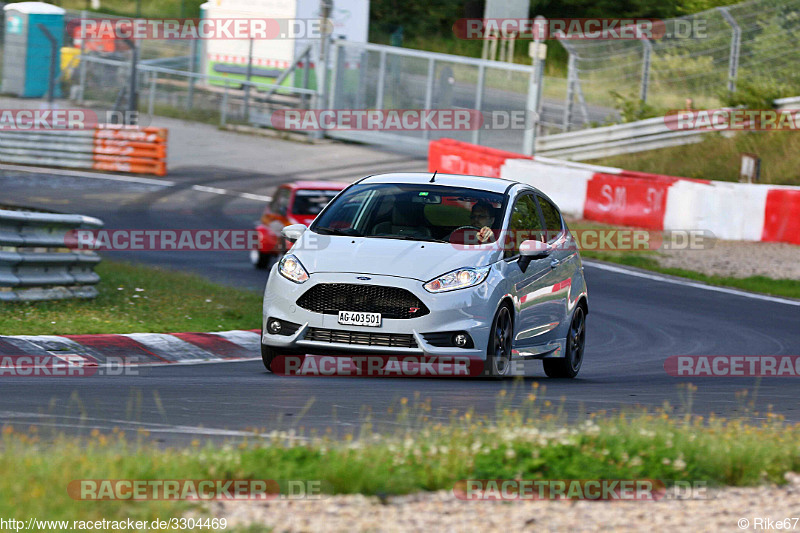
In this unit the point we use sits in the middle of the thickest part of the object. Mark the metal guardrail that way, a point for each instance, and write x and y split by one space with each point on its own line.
788 103
109 148
35 263
648 134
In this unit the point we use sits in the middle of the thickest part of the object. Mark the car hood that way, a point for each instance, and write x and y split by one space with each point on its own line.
418 260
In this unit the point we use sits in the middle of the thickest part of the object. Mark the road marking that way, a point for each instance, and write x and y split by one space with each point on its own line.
687 283
134 179
93 175
132 425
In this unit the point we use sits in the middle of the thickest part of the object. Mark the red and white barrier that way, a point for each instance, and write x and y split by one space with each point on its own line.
732 211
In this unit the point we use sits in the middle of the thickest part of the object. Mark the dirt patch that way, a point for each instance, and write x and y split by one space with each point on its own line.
719 510
738 259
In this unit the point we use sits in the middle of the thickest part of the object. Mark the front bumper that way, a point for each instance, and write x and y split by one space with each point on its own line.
470 310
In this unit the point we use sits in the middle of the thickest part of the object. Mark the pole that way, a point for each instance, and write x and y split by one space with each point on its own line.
538 52
325 9
648 48
51 83
736 41
247 86
192 68
82 74
133 95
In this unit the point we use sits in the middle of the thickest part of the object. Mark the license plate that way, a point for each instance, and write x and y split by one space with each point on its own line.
355 318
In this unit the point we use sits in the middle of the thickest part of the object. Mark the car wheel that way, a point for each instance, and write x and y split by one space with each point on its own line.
498 352
570 364
260 260
269 354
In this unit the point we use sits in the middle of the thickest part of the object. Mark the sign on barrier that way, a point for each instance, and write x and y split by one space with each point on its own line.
627 201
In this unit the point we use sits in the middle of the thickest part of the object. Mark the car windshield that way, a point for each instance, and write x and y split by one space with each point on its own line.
311 201
413 212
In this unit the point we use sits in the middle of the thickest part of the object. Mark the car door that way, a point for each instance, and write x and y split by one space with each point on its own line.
562 265
526 283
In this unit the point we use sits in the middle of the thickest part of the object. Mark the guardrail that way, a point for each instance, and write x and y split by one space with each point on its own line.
35 263
788 103
648 134
109 148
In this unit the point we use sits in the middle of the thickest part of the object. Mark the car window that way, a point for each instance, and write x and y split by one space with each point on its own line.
280 204
417 212
311 202
525 225
552 219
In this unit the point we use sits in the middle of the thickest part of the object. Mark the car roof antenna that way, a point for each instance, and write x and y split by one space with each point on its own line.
434 176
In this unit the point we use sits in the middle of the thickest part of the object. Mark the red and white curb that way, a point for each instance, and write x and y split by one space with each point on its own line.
137 348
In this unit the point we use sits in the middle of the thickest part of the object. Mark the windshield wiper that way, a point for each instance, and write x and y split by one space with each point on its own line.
348 232
406 238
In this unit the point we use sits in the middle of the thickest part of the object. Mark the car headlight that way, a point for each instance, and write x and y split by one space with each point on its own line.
457 279
292 269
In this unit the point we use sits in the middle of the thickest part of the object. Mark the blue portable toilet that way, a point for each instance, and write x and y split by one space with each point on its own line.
26 51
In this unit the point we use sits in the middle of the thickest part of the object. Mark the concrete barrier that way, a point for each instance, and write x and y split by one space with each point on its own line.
733 211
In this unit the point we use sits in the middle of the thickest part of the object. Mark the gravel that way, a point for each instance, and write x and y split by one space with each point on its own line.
719 510
738 259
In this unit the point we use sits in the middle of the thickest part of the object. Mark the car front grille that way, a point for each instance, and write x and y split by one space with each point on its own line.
364 338
390 302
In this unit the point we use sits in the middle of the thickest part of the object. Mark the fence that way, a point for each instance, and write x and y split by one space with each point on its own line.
703 57
35 263
166 91
140 150
371 76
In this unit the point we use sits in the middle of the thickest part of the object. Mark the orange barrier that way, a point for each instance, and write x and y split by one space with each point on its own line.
105 147
449 156
142 151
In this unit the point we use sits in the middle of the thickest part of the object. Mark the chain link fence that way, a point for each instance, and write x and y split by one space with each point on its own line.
702 57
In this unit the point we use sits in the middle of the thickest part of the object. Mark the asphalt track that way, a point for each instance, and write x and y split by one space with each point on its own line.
635 323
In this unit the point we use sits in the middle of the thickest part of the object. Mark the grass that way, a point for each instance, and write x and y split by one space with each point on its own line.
719 158
532 441
138 299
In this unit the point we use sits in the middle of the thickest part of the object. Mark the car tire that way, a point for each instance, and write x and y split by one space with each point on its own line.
498 350
569 365
269 354
260 260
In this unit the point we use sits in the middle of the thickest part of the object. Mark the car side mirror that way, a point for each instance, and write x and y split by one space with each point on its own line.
535 249
294 232
530 250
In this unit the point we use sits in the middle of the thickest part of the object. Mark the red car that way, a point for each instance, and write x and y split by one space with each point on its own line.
294 203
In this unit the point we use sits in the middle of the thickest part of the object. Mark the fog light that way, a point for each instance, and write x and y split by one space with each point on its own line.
460 340
274 326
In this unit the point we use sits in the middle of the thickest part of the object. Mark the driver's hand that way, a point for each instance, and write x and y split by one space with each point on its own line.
485 235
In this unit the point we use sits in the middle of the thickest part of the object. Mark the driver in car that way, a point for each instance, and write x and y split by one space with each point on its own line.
482 219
